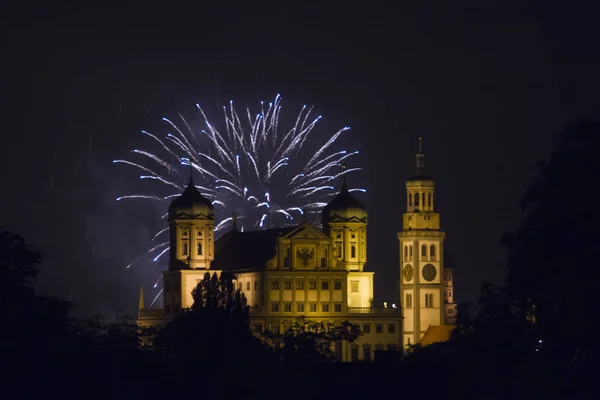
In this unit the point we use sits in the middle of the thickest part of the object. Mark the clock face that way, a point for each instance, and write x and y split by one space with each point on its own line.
408 273
429 272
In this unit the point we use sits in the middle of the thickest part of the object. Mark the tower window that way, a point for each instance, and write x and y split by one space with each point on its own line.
432 251
405 253
429 200
416 199
410 200
199 248
353 251
410 251
423 251
429 300
408 302
184 249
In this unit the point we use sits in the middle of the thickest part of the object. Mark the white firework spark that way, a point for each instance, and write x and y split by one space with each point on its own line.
248 165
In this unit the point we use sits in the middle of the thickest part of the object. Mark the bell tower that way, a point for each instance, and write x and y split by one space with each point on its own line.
345 221
192 247
421 256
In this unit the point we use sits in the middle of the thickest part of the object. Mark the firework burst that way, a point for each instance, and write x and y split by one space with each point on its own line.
249 165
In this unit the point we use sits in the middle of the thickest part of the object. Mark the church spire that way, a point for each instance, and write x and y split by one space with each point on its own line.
141 301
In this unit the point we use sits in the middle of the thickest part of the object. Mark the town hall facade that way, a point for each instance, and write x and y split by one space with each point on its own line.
319 274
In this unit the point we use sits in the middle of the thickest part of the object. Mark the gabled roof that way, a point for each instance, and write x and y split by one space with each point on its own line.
437 333
247 250
306 230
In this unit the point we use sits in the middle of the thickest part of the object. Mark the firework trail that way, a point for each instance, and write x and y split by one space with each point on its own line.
247 164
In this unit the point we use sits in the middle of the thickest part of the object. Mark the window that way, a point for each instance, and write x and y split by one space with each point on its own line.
429 300
184 249
354 286
299 285
324 285
410 200
354 354
287 307
256 285
423 251
367 328
449 293
451 311
391 328
300 307
312 307
416 199
429 200
378 328
410 251
337 285
337 307
248 285
287 285
405 253
353 251
367 352
274 307
408 302
312 285
323 262
338 249
241 286
353 236
274 284
287 258
325 307
432 251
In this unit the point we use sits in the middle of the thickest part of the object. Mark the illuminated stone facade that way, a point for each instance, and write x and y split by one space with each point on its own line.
426 286
284 273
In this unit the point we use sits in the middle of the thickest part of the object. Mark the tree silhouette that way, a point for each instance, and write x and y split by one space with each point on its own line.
312 341
553 274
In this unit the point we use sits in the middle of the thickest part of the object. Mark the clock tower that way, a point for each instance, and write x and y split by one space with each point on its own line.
421 257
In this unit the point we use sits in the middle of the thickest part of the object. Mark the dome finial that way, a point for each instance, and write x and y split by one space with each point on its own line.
344 184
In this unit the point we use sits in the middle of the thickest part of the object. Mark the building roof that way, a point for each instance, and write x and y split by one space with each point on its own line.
247 250
190 202
436 333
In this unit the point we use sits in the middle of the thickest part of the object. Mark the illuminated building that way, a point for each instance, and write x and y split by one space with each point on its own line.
426 286
299 271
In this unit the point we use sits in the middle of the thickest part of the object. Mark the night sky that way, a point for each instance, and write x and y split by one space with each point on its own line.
487 85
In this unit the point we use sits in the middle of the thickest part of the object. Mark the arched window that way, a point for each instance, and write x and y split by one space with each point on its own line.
410 251
416 199
432 251
429 204
423 251
429 300
353 252
184 249
408 301
323 262
405 252
199 248
410 200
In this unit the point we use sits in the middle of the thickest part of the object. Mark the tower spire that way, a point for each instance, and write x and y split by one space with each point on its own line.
141 301
420 161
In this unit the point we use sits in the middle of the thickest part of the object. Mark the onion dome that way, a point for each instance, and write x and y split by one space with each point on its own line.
343 207
191 204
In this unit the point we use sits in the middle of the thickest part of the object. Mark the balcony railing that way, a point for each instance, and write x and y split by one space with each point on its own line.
373 310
